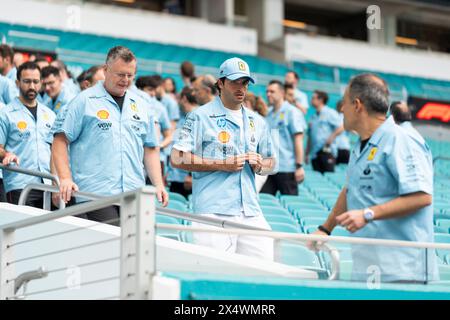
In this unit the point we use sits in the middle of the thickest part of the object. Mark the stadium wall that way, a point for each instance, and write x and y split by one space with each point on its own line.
130 23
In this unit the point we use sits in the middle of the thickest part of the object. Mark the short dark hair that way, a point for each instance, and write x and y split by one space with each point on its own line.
339 105
120 52
187 69
278 83
400 114
371 90
189 94
288 86
29 65
6 52
322 95
173 83
296 76
148 81
50 70
82 76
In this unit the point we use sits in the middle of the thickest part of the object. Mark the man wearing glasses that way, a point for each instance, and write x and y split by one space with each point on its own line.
24 124
224 145
111 132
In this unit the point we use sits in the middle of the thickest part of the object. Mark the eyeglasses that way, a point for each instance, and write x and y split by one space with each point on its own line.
124 75
30 81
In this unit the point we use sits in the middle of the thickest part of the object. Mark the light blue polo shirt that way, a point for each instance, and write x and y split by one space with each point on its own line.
172 107
301 97
285 123
210 132
392 164
342 140
175 174
65 96
321 126
106 144
8 90
12 74
21 134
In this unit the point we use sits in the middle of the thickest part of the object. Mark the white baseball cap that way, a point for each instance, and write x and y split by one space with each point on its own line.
235 68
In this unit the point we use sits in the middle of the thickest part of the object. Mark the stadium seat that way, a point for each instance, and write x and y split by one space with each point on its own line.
444 272
444 224
275 211
311 221
166 219
267 196
297 255
341 232
279 218
283 227
269 203
345 270
177 205
177 197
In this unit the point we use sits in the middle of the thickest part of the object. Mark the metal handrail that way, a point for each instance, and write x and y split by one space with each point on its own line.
47 188
29 172
440 158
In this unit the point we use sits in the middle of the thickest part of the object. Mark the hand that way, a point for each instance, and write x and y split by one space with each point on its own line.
10 157
66 187
255 161
315 245
300 175
235 163
307 158
352 220
56 198
188 182
162 195
329 142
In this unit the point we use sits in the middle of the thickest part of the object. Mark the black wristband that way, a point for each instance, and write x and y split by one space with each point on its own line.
298 165
323 229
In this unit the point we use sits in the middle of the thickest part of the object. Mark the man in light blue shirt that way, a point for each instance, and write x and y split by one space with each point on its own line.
56 94
389 190
24 124
342 140
112 136
7 67
8 90
324 126
181 180
301 99
287 126
224 145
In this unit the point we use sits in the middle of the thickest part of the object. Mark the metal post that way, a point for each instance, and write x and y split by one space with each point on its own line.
47 200
7 272
137 256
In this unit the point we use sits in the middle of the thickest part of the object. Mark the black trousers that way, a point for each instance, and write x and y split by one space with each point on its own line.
343 156
109 215
282 181
178 187
35 198
2 192
324 162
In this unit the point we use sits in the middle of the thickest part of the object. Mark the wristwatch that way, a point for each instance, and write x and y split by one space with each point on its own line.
369 215
298 165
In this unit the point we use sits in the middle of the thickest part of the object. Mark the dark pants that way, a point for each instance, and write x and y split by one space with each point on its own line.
324 162
35 198
2 192
110 215
283 181
343 156
178 187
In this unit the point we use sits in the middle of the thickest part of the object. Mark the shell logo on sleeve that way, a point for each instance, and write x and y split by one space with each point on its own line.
223 136
22 125
133 107
103 114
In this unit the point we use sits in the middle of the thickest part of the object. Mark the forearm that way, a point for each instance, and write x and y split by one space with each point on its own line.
336 132
339 207
167 134
2 153
61 158
402 206
298 148
190 162
301 107
153 166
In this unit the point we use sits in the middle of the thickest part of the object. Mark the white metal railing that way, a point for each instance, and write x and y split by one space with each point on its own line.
137 247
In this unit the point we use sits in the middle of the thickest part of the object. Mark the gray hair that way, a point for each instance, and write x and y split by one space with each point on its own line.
372 91
120 52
